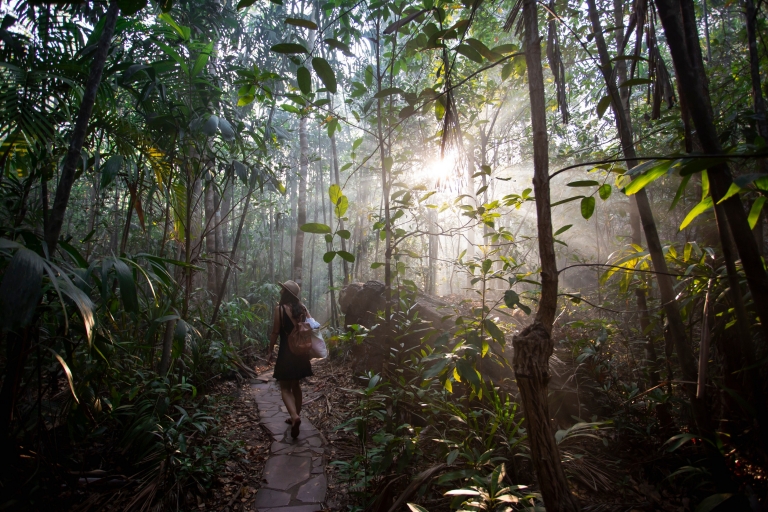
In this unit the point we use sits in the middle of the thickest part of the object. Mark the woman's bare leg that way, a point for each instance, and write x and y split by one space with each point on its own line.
297 398
286 391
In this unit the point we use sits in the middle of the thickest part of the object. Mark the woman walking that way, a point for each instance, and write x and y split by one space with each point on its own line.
290 368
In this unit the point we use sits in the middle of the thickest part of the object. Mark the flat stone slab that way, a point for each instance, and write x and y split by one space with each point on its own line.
313 491
284 471
271 498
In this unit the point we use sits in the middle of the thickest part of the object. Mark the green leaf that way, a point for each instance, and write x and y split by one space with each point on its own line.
341 207
242 4
494 331
583 183
732 191
131 7
110 170
712 502
338 45
226 129
563 201
651 171
376 264
467 372
483 50
334 192
587 207
67 372
21 288
697 210
563 229
326 74
328 257
754 212
636 81
289 48
679 440
346 256
679 193
470 53
301 22
511 299
211 125
202 60
127 286
343 233
304 80
605 191
507 70
316 228
603 105
388 92
487 264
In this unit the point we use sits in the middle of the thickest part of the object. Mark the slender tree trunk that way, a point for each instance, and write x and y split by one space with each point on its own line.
758 103
165 358
534 345
679 24
301 217
386 164
471 170
328 247
210 239
219 230
232 254
67 178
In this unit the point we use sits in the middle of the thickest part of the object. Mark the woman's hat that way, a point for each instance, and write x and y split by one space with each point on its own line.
292 288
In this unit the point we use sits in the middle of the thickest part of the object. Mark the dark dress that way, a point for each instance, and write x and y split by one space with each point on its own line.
289 366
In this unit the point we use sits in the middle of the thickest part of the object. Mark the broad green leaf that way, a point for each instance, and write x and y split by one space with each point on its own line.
712 502
110 170
652 171
605 191
301 22
754 212
341 207
494 331
326 74
636 81
226 129
127 286
470 53
338 45
483 50
68 373
511 299
289 48
439 110
334 192
584 183
732 191
563 201
603 105
689 166
328 257
468 373
389 91
131 7
376 264
487 264
211 125
388 161
697 210
304 79
202 60
587 207
21 289
507 70
316 228
343 233
346 256
563 229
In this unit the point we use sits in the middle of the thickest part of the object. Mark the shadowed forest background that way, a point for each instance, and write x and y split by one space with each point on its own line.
533 232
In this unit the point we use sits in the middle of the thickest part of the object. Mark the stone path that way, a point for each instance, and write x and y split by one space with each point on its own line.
294 476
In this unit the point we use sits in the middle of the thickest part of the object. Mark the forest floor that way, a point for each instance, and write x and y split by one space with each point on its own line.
605 480
326 405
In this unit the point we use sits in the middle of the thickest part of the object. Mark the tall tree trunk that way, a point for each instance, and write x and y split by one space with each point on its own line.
433 251
67 178
210 239
679 24
165 358
534 345
301 214
232 255
758 103
219 230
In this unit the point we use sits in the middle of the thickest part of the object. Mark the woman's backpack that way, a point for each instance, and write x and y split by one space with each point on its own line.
300 339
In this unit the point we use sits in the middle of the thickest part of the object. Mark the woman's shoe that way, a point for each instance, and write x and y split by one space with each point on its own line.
295 428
